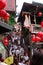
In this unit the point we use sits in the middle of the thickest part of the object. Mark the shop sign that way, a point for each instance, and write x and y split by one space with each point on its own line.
10 5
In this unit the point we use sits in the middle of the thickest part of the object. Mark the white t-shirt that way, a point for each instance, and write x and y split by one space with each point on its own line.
22 64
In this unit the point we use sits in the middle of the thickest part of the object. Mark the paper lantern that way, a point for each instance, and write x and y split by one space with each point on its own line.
33 38
40 14
42 24
39 34
2 13
2 4
38 39
5 41
6 17
42 39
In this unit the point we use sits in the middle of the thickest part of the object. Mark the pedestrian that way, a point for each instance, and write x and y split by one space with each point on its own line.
37 59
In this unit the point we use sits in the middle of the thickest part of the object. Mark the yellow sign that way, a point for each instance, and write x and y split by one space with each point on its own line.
9 60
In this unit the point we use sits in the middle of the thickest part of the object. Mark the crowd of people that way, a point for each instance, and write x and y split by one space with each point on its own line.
37 59
18 51
20 57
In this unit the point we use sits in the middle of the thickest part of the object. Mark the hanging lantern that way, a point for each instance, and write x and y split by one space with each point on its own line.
42 24
38 39
5 41
39 34
40 14
2 4
2 13
42 39
6 17
33 38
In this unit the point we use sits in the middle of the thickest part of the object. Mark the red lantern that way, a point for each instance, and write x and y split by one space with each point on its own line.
6 17
2 4
2 13
39 34
42 39
42 24
33 38
40 14
38 39
5 41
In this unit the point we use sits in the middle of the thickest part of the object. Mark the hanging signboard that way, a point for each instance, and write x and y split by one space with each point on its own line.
10 5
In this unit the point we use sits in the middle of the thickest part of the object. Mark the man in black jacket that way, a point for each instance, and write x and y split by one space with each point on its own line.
37 59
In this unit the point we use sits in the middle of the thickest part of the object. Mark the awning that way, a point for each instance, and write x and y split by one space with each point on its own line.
4 27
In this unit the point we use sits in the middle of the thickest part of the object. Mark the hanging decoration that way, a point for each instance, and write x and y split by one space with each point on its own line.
6 17
39 14
42 39
33 38
2 13
39 34
2 4
42 24
5 41
38 39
